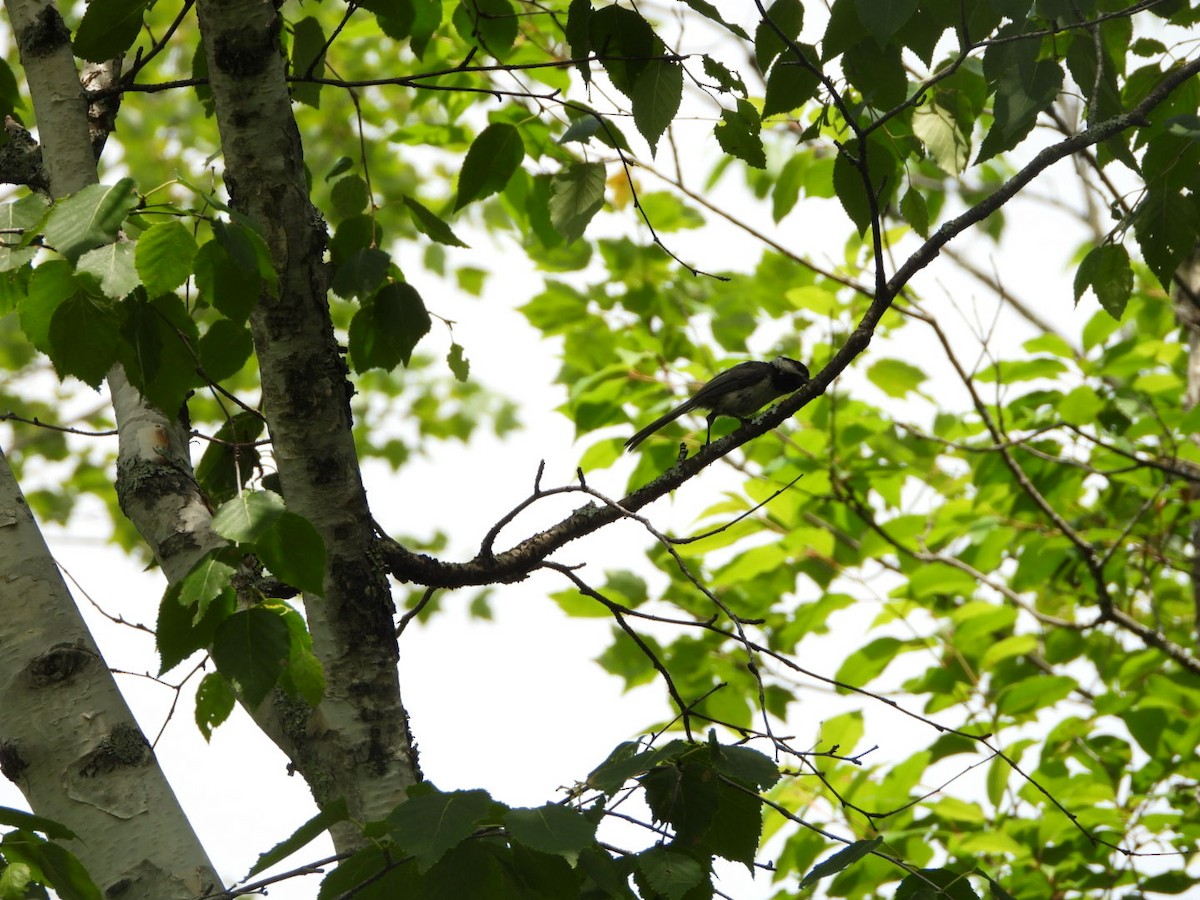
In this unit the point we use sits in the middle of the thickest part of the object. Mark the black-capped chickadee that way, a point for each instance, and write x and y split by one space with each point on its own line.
737 392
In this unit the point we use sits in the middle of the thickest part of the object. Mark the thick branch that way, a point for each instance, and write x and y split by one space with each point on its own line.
516 563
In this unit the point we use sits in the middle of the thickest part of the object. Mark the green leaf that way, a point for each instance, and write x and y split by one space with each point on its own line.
785 16
83 338
1034 693
350 196
664 872
308 52
178 635
895 378
492 24
1164 220
940 883
89 218
625 41
428 825
711 13
915 211
214 703
840 860
1106 270
728 81
458 363
112 265
739 134
20 215
430 225
1021 95
165 254
248 516
943 137
576 195
224 284
868 662
790 86
250 649
224 349
50 285
230 460
206 580
62 871
848 179
551 829
656 97
293 550
249 252
333 813
883 18
16 818
361 275
491 161
108 28
577 33
153 352
304 677
387 328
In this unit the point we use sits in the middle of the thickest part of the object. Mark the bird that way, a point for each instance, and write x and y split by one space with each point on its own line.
738 392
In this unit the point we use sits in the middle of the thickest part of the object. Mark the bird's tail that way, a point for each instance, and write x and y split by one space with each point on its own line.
658 423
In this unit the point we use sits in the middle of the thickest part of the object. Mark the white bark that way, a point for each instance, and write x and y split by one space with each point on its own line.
68 740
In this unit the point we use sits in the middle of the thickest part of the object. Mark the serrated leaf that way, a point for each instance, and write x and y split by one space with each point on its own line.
112 265
429 224
668 873
1021 95
491 160
350 196
108 28
458 363
942 884
223 283
895 377
304 676
250 649
883 18
153 352
19 216
178 636
203 583
230 460
739 134
943 138
293 550
492 24
333 813
429 825
915 211
83 338
385 331
656 97
576 195
16 818
89 218
164 256
625 41
308 54
551 829
711 13
840 860
214 703
224 349
783 15
728 81
1107 271
247 516
789 86
362 274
